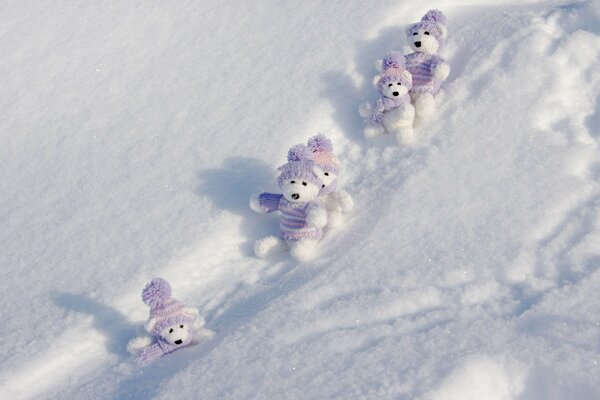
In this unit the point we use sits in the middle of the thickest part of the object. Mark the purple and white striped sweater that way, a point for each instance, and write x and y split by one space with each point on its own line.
293 216
421 66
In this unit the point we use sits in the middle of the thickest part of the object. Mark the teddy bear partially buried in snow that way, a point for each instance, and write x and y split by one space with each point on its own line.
426 38
393 112
337 201
303 214
171 324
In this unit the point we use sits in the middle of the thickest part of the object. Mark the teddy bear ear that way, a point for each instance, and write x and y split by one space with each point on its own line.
376 80
406 75
442 30
379 65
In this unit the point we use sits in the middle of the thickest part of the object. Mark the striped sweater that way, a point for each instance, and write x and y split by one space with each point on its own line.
293 216
421 66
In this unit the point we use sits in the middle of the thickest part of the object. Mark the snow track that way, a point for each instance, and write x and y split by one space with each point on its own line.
468 271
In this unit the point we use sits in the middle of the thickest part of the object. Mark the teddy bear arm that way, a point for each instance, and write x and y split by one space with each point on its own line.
316 216
137 344
440 69
149 354
267 202
343 200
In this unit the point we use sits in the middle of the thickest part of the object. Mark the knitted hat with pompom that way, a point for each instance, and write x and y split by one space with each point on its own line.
434 21
165 309
322 153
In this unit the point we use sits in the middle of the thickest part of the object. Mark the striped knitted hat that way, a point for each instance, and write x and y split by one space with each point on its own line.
322 153
298 170
165 309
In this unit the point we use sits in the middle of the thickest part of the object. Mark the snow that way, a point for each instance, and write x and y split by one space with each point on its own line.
133 134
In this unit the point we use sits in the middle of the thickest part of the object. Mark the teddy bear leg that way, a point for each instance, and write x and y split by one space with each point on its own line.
303 250
335 219
399 122
268 246
372 130
406 134
424 106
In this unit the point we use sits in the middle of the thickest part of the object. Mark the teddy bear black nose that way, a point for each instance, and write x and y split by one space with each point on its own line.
418 44
295 196
178 341
396 93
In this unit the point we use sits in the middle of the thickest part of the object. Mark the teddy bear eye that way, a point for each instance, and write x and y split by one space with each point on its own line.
415 34
292 181
427 33
303 183
326 174
181 326
390 85
399 84
171 330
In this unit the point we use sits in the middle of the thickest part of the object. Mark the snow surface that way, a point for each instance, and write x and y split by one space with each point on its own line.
134 132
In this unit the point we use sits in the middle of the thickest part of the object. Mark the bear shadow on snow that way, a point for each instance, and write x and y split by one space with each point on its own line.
230 188
110 322
345 96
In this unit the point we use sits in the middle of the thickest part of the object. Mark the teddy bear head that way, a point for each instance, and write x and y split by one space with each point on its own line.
177 334
321 149
394 81
169 319
300 181
429 34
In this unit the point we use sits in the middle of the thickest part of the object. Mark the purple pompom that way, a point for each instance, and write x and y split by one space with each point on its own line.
299 152
320 144
156 292
435 16
394 59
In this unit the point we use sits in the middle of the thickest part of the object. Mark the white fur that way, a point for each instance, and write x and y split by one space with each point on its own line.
305 190
317 218
399 118
200 331
335 219
327 178
365 110
424 104
442 71
177 332
343 200
135 345
429 43
406 135
394 90
204 334
255 204
303 250
371 131
268 246
149 325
